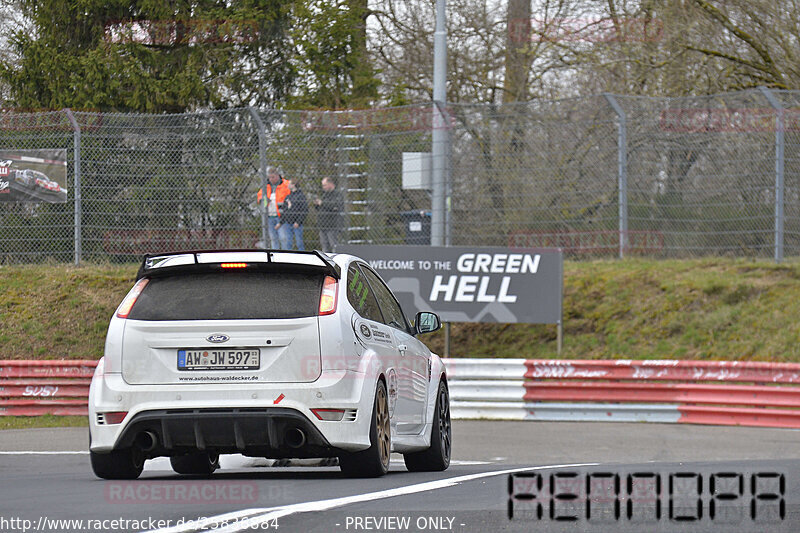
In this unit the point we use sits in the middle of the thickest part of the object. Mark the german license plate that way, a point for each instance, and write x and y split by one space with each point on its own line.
228 359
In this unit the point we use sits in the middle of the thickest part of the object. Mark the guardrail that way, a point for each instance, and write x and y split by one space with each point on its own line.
695 392
33 388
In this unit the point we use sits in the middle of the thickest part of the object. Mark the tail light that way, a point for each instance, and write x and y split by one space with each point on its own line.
233 265
327 301
125 307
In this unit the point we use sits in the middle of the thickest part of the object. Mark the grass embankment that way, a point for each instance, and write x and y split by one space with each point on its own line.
43 421
697 309
56 311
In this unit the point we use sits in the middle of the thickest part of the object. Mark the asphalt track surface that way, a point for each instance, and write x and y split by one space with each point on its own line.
639 477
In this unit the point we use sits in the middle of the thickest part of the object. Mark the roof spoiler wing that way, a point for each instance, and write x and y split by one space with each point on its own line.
173 262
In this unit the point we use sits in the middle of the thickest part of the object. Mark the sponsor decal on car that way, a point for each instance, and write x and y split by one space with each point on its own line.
4 187
380 335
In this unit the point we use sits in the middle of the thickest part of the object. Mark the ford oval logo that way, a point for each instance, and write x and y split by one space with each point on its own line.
218 337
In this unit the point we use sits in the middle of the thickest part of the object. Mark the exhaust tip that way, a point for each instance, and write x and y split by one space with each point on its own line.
146 440
295 438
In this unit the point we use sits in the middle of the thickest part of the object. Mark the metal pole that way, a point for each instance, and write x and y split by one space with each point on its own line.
76 182
439 151
779 166
439 134
622 171
447 339
559 338
262 170
448 227
560 325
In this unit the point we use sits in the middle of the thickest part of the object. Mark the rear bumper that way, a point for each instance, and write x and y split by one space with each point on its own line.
233 418
264 432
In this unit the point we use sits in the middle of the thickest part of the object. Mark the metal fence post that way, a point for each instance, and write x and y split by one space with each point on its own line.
448 189
622 171
76 185
262 170
779 166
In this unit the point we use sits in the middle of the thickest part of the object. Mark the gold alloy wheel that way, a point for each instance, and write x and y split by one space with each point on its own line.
383 427
444 423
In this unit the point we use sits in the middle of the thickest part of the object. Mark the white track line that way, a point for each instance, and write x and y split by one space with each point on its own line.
86 452
249 519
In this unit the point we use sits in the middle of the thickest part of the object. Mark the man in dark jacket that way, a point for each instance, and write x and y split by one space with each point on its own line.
294 215
330 215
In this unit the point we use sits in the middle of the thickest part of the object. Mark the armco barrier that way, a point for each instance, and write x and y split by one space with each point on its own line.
32 388
696 392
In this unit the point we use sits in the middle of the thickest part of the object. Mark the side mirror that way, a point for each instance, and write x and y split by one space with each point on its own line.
426 322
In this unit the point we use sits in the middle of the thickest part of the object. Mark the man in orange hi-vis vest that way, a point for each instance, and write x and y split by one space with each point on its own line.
273 202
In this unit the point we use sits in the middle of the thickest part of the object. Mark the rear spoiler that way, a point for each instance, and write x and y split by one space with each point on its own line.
169 263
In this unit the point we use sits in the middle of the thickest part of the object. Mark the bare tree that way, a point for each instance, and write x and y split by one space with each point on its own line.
518 57
401 40
758 41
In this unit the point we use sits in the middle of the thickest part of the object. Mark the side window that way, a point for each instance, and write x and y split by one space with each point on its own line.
393 315
360 296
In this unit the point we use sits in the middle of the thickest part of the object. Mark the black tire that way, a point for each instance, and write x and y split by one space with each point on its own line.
195 464
127 463
437 457
374 461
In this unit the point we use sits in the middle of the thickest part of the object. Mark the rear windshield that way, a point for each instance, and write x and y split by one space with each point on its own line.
229 296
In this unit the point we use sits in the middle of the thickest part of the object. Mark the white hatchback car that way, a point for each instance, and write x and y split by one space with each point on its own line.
272 354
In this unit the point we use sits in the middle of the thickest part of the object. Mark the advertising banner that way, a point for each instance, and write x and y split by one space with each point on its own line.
33 176
471 284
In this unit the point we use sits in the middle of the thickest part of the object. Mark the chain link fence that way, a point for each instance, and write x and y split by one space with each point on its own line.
600 176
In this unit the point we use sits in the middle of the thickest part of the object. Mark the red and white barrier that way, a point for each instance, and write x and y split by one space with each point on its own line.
696 392
33 388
